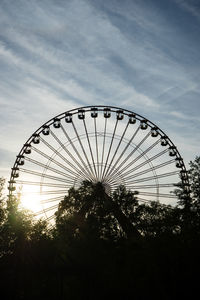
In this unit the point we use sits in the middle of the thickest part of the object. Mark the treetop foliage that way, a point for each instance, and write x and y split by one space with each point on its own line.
102 246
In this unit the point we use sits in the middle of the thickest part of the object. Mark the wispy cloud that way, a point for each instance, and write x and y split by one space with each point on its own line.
192 6
58 55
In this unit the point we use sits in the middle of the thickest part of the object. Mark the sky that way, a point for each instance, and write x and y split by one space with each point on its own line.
56 55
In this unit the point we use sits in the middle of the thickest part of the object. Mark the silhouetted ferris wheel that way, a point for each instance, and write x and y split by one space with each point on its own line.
101 144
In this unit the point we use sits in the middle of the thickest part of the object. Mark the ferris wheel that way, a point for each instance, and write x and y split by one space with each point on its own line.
104 144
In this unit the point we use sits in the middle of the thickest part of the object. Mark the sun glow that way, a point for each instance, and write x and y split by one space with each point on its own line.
30 199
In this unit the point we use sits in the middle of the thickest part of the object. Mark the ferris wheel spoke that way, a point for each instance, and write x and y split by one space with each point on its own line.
161 195
149 160
42 175
79 171
91 154
38 183
84 167
58 192
97 151
153 177
117 148
143 200
46 210
133 151
151 186
117 178
43 193
113 169
70 171
49 168
104 139
140 156
147 170
50 218
150 201
116 184
49 200
110 147
66 150
80 143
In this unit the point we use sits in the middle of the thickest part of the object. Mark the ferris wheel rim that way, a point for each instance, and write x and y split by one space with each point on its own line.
89 108
75 110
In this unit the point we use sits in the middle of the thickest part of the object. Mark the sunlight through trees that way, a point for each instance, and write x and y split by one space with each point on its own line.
102 246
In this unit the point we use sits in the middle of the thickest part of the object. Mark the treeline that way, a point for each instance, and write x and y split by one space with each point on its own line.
103 247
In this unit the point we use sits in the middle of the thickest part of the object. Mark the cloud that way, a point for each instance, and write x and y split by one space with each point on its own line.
191 6
55 56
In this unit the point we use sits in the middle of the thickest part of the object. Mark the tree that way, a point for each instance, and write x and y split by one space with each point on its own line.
189 200
91 230
102 246
114 245
90 210
194 177
25 251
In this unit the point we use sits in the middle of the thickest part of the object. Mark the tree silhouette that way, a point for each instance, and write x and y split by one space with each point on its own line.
91 209
103 246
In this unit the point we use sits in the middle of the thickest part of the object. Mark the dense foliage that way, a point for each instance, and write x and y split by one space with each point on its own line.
102 247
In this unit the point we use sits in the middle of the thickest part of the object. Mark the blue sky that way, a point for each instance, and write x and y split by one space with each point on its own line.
139 55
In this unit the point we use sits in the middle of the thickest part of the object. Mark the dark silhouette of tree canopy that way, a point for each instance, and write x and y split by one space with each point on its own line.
194 175
91 209
103 246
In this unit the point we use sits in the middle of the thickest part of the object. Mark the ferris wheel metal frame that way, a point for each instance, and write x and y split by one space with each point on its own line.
99 164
